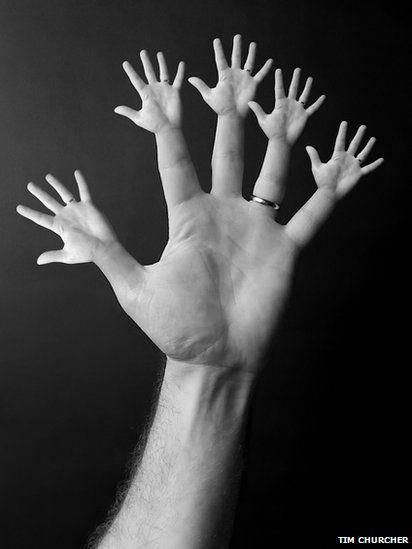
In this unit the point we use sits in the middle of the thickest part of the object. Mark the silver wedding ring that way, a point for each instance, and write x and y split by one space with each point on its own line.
264 202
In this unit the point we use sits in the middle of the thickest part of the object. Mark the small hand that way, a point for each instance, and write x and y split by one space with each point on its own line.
161 104
83 229
289 116
344 169
236 86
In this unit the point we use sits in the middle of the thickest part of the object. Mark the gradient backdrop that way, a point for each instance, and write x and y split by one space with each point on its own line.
328 446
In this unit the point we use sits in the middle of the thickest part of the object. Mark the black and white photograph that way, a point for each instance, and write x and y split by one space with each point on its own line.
204 284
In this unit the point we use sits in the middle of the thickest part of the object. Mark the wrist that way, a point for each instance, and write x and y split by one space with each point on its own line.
212 395
280 141
167 128
105 250
231 113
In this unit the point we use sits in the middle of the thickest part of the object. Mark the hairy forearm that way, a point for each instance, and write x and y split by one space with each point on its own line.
271 180
174 161
183 493
227 158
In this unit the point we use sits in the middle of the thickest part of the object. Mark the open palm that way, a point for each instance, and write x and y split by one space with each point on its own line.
224 271
161 103
289 116
235 86
341 173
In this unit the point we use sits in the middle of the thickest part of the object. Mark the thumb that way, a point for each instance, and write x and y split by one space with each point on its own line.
198 83
314 156
127 112
54 256
257 109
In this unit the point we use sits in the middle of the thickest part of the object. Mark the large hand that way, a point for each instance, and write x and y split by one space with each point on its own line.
83 229
161 104
220 285
289 116
344 169
236 86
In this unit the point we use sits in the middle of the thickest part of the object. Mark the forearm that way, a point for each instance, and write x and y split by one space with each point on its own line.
183 494
271 181
227 158
307 221
174 161
122 271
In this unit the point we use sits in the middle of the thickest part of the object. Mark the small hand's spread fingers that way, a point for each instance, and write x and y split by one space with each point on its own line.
137 82
354 144
65 195
221 63
370 167
293 88
198 83
279 87
177 83
315 106
163 71
306 91
39 218
250 61
340 138
44 198
84 192
367 149
257 109
260 75
236 52
148 67
54 256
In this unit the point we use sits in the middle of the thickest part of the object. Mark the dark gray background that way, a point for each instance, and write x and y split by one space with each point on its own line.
328 449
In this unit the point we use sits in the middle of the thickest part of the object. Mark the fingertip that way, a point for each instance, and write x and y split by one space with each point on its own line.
19 208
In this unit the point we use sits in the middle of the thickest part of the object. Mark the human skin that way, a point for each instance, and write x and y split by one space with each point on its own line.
211 304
